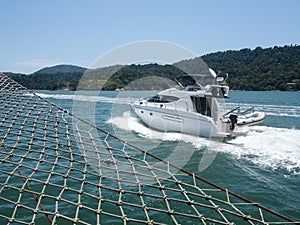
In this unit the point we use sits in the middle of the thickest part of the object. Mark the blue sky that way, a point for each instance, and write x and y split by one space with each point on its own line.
36 33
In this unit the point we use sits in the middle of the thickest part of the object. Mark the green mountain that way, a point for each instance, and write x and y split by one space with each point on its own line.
276 68
61 69
57 77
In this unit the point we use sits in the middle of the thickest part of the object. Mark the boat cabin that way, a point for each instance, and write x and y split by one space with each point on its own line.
202 105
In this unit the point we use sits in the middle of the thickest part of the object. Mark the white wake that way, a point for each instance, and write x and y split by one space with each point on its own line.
275 148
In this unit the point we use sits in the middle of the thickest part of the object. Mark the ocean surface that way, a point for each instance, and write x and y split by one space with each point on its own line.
263 166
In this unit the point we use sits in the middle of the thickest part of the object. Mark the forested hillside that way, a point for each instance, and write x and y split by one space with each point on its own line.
131 73
53 81
276 68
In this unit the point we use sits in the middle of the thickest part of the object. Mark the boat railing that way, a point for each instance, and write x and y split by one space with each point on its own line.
248 110
238 111
231 111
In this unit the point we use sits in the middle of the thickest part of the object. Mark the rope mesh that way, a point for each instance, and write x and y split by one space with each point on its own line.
55 170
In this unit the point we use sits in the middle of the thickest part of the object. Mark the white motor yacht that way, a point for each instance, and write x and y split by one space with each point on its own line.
195 109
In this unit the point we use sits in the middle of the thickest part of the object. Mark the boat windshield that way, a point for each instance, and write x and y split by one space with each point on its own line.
200 80
162 99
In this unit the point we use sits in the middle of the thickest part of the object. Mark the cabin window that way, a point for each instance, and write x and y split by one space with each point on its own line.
142 111
162 99
151 114
202 105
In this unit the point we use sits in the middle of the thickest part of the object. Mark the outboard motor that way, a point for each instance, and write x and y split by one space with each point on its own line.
233 120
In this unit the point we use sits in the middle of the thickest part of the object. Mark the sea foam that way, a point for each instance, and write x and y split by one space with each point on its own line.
269 147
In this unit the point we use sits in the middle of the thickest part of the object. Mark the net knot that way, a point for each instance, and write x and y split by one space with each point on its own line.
144 206
170 212
119 203
207 197
247 217
98 211
191 202
162 187
125 218
140 193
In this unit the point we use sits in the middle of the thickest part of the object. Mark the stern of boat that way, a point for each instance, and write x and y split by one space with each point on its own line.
237 123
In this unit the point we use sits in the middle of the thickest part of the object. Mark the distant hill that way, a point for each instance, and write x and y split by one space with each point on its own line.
276 68
95 79
143 77
10 74
61 69
128 77
193 66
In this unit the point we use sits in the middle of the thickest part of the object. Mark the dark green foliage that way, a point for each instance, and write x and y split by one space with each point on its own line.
129 74
276 68
61 69
55 81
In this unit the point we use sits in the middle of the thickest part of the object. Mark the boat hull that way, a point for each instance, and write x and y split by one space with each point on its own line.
176 121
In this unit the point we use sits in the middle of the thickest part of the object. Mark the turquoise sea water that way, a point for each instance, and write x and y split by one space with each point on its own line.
264 166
